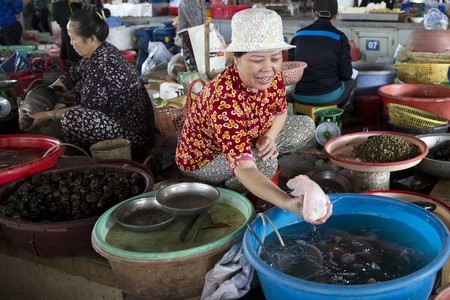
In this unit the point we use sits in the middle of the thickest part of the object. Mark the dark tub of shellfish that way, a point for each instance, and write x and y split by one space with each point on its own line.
52 213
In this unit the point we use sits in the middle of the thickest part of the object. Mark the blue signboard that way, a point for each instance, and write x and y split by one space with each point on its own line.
372 45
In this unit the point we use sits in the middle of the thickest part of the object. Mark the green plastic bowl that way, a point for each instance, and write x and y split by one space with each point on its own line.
168 275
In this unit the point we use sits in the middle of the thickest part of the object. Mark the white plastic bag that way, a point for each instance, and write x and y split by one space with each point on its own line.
434 19
158 58
217 57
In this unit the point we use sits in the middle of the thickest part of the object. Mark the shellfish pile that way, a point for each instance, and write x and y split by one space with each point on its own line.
71 195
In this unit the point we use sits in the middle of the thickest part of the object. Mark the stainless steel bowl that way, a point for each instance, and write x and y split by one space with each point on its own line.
332 182
7 83
142 215
187 198
290 89
434 167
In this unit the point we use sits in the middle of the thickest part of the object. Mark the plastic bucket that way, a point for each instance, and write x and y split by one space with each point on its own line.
172 274
371 76
417 285
129 55
368 107
111 149
164 35
441 210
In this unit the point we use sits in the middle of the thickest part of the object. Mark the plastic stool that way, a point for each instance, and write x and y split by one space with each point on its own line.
306 109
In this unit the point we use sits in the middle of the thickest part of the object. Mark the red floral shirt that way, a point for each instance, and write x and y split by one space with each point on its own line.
228 118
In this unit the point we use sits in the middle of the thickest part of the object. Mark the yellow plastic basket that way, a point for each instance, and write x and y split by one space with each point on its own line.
408 116
422 73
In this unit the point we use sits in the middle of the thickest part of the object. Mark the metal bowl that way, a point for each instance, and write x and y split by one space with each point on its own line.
187 198
290 89
142 215
7 83
434 167
332 182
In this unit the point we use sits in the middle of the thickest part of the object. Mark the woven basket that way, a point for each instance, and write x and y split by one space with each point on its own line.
169 121
408 116
422 73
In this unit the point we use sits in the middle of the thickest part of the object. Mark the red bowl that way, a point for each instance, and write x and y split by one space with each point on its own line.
340 151
129 54
53 51
429 97
52 148
423 40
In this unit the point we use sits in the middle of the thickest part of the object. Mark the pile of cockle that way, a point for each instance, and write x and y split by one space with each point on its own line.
71 195
440 152
384 148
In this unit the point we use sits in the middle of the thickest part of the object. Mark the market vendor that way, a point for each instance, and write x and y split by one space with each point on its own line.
328 78
112 100
10 27
238 124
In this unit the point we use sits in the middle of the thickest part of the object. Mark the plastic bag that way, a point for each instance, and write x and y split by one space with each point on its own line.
434 19
186 78
216 56
17 62
176 65
158 58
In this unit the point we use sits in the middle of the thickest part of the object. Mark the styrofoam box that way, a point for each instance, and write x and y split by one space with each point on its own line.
130 10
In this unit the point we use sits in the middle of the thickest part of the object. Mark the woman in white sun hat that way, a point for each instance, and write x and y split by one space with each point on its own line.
238 124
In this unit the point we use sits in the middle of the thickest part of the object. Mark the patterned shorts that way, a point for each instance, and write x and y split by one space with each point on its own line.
297 132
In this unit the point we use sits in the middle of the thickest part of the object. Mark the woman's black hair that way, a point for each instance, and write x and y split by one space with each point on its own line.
89 23
238 54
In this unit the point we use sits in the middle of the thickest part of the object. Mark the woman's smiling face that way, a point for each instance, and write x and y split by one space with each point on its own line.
258 69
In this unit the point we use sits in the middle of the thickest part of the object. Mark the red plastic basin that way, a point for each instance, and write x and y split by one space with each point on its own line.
428 97
129 55
30 141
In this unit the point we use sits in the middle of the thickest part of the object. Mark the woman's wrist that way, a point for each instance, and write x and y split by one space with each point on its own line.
270 138
54 118
293 204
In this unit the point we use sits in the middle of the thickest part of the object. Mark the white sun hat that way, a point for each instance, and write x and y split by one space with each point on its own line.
257 30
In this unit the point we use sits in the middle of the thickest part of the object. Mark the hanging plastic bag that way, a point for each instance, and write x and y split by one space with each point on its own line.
157 60
216 55
176 65
17 62
434 19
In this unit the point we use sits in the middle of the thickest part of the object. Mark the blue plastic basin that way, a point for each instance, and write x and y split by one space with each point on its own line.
417 285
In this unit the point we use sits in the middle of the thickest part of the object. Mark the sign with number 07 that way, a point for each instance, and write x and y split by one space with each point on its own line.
373 45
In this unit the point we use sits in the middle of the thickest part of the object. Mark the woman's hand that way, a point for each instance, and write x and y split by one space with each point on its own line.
295 205
266 147
40 119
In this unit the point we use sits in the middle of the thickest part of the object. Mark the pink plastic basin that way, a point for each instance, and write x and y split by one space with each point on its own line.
428 97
